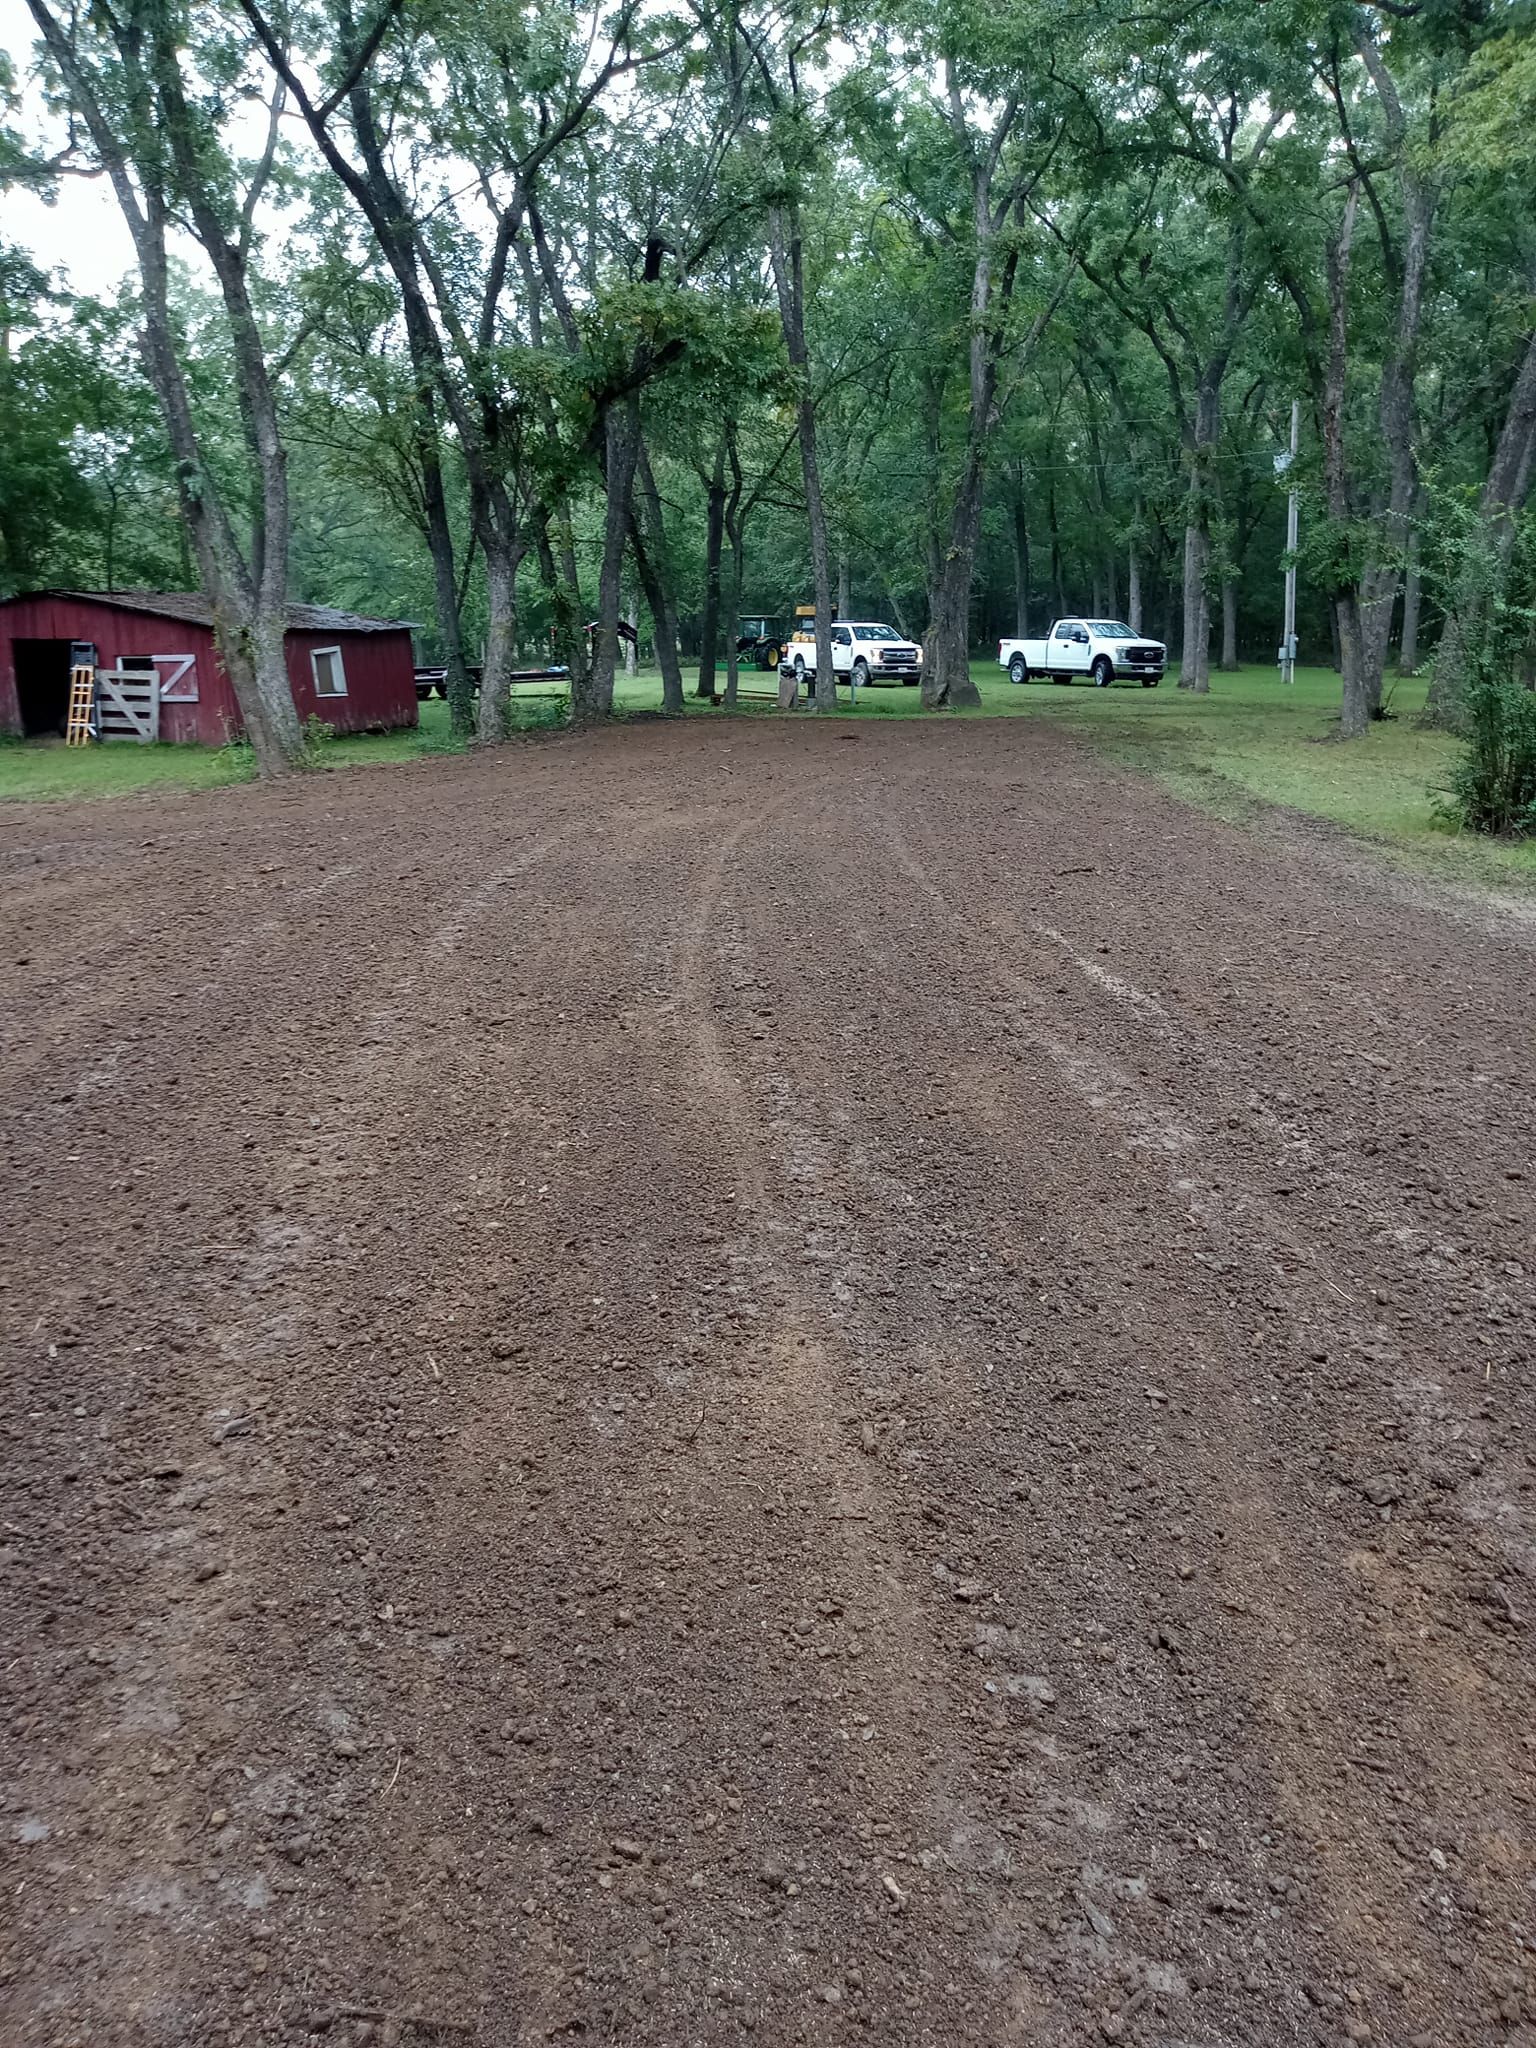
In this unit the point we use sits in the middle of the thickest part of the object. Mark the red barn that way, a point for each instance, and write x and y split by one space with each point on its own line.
357 674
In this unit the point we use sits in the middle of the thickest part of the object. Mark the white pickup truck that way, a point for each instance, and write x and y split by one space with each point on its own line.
1100 648
863 651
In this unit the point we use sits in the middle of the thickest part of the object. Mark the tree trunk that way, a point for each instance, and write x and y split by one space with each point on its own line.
384 207
1020 568
249 619
248 596
621 446
709 631
494 719
258 585
844 593
650 539
251 646
1378 608
629 643
567 629
736 538
440 551
947 675
557 570
787 254
1355 717
1058 588
1133 588
503 545
1100 609
1413 592
108 531
1228 624
1195 649
1395 412
1355 713
664 613
1487 555
734 585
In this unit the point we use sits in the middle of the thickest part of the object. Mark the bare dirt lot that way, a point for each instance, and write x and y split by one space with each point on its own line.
743 1382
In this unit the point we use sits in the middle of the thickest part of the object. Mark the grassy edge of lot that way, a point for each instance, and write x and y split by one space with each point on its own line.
1251 746
1254 747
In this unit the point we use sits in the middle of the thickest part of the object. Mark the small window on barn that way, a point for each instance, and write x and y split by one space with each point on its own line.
137 664
330 676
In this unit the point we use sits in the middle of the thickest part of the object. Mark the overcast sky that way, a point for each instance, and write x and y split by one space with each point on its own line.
82 233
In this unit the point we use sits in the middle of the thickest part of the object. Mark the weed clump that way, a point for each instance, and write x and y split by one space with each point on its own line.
1493 784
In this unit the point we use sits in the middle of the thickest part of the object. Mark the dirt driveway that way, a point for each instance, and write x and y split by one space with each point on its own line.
756 1382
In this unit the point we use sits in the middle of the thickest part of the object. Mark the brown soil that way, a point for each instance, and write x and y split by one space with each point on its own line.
759 1382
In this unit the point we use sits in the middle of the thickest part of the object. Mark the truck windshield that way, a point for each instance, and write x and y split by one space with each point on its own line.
1112 629
875 633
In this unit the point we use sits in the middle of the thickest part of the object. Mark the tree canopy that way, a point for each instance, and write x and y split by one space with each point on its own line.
522 320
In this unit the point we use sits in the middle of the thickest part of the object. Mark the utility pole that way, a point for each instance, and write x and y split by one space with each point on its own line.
1292 534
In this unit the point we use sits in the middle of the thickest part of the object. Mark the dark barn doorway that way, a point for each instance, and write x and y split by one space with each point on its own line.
42 685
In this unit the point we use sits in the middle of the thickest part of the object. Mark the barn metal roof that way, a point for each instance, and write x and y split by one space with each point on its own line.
193 608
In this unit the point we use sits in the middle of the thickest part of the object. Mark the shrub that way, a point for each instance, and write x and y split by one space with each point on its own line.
235 761
539 714
317 740
1493 785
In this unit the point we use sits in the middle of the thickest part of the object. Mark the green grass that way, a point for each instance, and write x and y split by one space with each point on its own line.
1254 743
35 768
1250 744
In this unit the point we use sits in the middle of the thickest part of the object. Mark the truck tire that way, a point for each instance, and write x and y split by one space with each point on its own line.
1018 670
1103 673
800 671
861 674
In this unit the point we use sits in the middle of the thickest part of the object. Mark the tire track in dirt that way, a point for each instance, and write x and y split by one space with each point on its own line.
818 1390
682 1477
968 1837
1109 1090
973 1839
1096 1100
159 1924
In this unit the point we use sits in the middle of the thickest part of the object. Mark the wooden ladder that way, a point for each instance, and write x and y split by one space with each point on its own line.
82 706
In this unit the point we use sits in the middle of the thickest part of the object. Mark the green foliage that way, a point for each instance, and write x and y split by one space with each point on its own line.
1493 784
1186 161
1484 574
1492 113
319 739
235 761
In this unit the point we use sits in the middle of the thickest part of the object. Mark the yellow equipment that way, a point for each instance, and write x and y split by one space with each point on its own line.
82 706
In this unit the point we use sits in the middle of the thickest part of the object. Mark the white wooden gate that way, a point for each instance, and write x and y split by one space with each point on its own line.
178 677
128 704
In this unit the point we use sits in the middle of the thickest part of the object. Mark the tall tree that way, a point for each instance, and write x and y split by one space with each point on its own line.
134 79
